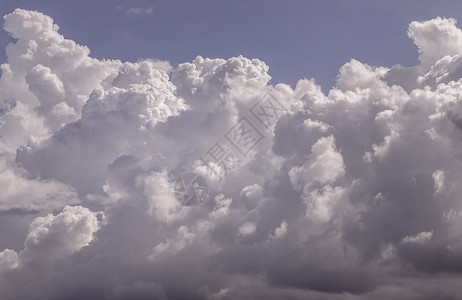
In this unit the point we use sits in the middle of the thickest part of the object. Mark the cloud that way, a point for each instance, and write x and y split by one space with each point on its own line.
353 194
419 238
280 231
247 228
438 177
50 239
324 164
435 39
136 11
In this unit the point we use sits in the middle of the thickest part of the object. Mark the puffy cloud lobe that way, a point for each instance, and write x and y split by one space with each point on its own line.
280 231
345 191
54 237
44 84
251 195
247 228
50 239
115 121
420 238
8 259
435 39
58 236
225 78
324 165
48 73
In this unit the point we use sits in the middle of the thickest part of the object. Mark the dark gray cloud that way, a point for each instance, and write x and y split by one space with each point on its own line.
349 195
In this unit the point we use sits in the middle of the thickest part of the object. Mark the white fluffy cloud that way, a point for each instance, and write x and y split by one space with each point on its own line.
435 39
342 192
324 164
50 239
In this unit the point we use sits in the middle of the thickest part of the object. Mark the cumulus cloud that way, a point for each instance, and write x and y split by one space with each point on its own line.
247 228
351 194
419 238
50 239
435 39
324 164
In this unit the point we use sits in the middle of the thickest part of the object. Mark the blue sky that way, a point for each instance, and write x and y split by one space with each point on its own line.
296 39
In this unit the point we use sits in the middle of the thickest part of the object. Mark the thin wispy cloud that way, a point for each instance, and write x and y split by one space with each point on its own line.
136 11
